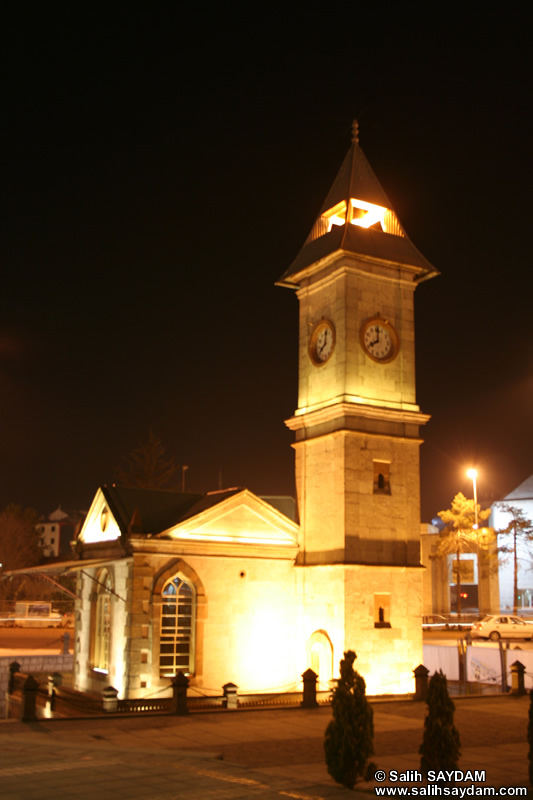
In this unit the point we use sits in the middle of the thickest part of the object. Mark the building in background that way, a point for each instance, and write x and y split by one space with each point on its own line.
522 499
58 531
479 579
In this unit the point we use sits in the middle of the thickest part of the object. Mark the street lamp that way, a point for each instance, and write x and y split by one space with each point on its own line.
472 473
184 468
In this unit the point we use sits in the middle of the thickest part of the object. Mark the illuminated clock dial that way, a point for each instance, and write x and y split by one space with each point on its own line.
322 342
379 340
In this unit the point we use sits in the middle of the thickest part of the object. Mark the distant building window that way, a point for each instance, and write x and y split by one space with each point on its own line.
381 477
52 540
53 528
176 653
102 623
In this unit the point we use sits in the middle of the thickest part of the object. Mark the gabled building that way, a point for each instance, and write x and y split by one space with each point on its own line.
199 583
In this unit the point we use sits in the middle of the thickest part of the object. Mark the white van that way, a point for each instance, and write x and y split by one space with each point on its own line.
36 614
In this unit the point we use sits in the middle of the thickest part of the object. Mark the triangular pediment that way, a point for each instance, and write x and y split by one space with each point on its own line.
100 524
242 519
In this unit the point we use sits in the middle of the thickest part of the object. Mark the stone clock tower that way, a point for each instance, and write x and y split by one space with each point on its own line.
357 430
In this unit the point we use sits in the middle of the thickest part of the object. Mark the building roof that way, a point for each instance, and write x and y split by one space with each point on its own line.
356 180
522 492
156 510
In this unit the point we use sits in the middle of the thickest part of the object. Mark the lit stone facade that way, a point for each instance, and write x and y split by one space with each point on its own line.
357 428
237 556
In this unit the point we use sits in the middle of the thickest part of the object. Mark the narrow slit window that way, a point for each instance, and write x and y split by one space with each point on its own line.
382 611
381 477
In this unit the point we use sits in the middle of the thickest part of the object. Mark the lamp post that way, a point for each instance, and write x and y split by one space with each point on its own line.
472 473
184 468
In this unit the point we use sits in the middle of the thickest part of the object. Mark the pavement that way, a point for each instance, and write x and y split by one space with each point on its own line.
242 754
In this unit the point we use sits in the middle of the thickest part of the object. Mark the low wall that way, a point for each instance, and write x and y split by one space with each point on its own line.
483 662
36 665
444 657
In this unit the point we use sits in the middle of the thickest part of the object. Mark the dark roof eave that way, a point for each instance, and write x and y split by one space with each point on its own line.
358 242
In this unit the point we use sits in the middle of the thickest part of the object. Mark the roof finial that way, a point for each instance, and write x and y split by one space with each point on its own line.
355 132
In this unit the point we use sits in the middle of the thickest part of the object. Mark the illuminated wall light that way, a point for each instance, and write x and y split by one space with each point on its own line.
335 216
335 220
370 216
373 214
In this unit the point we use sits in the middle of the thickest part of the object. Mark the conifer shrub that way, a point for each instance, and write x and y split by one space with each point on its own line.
440 748
349 740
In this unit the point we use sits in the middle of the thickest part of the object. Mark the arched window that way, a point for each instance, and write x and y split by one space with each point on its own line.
176 653
102 623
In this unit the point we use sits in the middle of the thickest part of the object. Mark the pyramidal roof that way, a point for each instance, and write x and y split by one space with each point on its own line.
522 492
357 219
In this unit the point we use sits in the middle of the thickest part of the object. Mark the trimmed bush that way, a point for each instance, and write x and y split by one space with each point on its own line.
440 748
349 741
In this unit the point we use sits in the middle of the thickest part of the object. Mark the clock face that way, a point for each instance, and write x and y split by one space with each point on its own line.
322 342
379 340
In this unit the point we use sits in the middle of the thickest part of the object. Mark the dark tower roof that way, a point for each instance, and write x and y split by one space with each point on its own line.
340 225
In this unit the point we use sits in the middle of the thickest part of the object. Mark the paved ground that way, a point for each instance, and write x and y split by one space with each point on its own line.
243 754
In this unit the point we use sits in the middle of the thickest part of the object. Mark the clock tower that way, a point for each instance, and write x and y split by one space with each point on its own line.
357 429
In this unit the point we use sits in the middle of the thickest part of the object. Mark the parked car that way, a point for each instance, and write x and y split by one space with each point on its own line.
438 622
503 626
434 622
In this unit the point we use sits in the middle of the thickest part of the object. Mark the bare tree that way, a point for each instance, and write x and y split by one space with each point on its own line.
19 548
517 543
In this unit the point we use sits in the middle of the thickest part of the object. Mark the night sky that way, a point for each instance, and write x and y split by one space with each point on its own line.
160 173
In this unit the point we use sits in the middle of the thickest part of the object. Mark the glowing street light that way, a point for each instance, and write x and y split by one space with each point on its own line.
184 468
472 473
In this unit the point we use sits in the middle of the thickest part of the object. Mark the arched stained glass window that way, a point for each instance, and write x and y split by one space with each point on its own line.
176 652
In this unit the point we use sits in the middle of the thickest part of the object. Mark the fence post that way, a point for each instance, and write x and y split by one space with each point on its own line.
421 682
109 699
517 678
29 699
179 691
309 678
503 665
231 701
14 667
